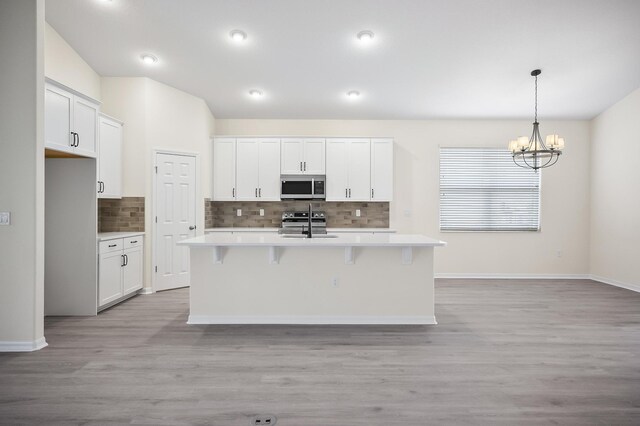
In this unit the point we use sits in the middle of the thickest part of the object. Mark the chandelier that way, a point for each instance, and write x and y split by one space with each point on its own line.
533 153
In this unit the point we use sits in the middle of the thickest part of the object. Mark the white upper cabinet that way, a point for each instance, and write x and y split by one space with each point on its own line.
257 169
348 169
269 170
303 156
71 122
58 106
224 169
382 169
109 158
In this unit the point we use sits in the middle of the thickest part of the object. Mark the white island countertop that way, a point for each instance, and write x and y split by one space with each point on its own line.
330 230
339 240
103 236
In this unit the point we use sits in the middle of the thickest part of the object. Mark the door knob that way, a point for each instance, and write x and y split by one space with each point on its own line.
191 228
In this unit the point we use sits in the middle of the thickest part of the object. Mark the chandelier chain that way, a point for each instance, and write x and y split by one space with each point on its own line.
536 98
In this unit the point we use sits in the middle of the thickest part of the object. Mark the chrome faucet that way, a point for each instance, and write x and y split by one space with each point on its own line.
309 233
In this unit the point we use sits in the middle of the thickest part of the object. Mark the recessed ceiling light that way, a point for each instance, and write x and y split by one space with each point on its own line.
255 93
365 36
353 94
238 36
148 58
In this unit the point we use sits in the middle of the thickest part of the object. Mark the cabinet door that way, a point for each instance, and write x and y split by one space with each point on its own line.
109 158
132 271
224 169
109 277
269 170
359 170
313 162
85 124
337 172
58 106
292 156
381 169
247 175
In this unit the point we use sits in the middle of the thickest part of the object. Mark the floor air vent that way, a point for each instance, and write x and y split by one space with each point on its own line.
264 420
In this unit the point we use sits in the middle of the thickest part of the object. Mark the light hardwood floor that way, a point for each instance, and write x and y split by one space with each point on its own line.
504 353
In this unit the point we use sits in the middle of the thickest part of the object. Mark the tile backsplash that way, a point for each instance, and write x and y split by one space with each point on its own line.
223 214
121 215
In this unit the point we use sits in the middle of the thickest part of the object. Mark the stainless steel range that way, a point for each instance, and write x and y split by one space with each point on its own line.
297 222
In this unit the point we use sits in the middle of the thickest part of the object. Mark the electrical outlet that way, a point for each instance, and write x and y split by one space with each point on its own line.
5 218
261 212
239 212
334 281
357 212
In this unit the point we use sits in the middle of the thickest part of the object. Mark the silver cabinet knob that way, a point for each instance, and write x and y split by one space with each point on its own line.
191 228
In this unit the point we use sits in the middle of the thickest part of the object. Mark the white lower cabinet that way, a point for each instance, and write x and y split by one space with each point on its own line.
120 266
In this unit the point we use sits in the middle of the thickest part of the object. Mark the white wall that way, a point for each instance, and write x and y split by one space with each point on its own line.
158 117
615 196
22 174
64 65
565 192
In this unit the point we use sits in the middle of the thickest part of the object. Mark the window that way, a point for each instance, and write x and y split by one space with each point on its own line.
481 189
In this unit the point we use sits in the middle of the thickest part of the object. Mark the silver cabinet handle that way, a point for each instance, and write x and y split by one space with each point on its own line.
233 192
349 192
305 166
133 242
191 228
256 192
371 192
112 245
301 166
346 193
260 192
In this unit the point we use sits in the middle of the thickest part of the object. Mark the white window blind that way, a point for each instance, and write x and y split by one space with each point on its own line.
481 189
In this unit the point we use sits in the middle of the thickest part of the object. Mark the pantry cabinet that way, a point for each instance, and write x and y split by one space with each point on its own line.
109 157
302 156
71 121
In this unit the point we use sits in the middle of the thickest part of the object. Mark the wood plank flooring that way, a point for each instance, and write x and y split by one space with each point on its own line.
505 352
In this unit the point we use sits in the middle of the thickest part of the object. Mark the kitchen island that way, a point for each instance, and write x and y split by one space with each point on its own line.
335 279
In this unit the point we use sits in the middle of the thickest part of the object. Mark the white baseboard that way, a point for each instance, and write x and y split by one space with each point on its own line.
311 319
628 286
23 346
483 276
146 290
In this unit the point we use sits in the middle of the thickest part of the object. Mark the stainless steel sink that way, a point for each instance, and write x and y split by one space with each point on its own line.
304 236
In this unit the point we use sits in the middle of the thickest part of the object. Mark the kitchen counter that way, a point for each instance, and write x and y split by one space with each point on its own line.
330 230
352 239
353 278
104 236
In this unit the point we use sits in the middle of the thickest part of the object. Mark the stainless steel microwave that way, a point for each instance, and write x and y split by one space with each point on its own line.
302 187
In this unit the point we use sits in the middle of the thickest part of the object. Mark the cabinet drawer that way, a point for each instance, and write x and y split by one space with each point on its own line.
110 245
133 242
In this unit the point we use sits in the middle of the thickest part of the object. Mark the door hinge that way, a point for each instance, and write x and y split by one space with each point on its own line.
156 269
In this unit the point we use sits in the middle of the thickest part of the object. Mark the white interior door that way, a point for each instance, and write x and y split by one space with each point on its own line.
176 218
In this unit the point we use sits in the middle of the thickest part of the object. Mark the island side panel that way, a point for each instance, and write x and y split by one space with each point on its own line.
300 289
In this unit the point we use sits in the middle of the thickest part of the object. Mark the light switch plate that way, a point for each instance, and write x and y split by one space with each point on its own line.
357 212
261 212
239 212
5 218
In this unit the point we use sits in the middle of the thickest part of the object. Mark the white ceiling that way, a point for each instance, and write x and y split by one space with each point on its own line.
430 59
